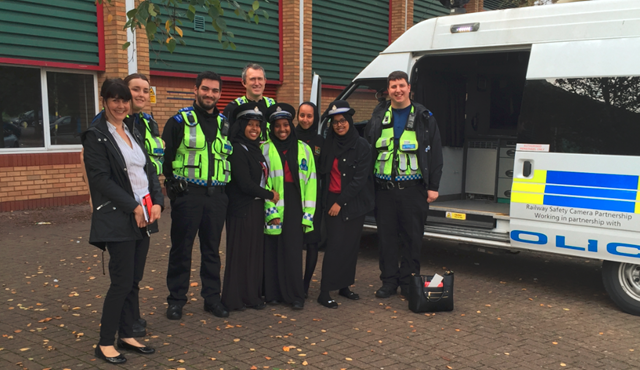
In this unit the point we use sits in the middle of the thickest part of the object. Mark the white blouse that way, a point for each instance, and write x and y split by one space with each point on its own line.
135 161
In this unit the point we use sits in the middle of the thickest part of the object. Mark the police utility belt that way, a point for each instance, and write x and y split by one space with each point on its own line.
396 185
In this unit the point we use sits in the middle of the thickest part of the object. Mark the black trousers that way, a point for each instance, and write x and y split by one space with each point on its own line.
126 267
196 213
400 218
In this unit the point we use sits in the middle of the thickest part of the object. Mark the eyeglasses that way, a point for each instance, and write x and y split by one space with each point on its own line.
341 122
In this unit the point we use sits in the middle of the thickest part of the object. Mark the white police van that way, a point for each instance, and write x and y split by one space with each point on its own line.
539 114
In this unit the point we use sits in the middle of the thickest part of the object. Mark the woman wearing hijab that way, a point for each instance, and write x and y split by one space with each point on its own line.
307 132
292 174
345 166
128 201
243 272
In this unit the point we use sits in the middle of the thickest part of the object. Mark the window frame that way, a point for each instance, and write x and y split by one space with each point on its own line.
48 147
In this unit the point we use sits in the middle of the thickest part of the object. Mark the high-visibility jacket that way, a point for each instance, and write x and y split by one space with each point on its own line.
308 187
243 100
153 143
194 153
397 163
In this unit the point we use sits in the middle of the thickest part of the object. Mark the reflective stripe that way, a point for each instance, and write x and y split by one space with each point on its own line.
193 136
276 173
413 158
402 162
309 203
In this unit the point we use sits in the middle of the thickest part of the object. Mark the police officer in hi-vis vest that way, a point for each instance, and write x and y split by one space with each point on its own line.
196 170
407 155
254 79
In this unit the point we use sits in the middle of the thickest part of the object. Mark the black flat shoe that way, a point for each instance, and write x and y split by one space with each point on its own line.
274 302
349 295
297 305
174 312
217 309
328 304
386 291
142 322
142 350
119 359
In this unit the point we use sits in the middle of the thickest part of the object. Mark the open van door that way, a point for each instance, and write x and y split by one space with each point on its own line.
576 187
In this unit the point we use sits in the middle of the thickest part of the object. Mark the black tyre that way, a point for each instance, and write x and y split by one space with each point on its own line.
622 282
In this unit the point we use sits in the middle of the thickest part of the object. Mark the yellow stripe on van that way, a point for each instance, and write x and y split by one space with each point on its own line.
528 188
539 176
527 198
637 210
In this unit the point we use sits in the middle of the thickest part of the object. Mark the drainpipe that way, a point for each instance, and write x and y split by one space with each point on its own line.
301 93
132 58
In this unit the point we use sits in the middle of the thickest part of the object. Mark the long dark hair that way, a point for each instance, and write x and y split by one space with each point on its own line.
115 88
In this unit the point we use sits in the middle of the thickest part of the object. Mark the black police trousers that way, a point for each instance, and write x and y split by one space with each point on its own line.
400 218
196 212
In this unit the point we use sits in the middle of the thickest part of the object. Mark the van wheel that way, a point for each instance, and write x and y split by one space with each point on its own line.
622 282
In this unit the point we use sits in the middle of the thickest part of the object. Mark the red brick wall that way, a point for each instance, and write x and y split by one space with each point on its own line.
40 180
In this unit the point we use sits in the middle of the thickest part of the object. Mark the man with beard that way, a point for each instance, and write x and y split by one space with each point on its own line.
196 170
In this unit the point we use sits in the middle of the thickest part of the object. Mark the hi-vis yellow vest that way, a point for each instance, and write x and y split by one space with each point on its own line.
403 159
308 187
243 100
153 144
192 155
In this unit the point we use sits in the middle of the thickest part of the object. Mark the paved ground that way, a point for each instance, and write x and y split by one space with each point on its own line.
519 311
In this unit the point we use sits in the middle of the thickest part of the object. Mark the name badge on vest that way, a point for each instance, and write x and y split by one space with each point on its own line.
303 165
408 146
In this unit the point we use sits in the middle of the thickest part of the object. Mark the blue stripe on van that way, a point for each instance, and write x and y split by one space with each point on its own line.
588 203
591 192
602 180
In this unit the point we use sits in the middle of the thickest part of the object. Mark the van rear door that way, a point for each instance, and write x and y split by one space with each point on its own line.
578 193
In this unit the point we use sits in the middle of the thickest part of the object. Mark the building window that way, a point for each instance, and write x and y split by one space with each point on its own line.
69 100
21 107
71 106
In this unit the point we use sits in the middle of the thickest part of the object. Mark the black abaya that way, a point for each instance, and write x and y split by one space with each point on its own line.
244 269
341 254
283 253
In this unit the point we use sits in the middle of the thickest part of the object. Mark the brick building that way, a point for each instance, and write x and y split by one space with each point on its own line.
55 55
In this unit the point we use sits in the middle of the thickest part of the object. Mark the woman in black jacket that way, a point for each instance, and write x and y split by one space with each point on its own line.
307 132
128 200
348 195
244 268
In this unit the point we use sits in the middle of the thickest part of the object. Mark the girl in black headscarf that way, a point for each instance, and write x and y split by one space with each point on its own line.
243 273
293 175
345 166
307 132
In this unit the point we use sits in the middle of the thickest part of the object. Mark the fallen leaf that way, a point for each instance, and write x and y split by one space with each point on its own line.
285 348
348 359
194 284
24 349
253 368
563 364
236 340
305 363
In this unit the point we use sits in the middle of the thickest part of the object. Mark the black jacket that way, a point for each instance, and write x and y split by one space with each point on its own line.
113 201
427 134
244 186
356 195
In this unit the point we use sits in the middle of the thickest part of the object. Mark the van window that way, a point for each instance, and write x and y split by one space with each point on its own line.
582 115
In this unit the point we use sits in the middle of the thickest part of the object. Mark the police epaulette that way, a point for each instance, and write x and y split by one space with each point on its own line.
222 116
146 116
428 111
178 117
